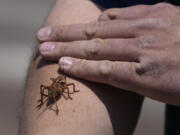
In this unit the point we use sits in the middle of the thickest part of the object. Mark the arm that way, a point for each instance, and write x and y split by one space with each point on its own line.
96 109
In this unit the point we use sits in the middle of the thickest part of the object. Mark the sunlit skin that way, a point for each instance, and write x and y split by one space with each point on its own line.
57 88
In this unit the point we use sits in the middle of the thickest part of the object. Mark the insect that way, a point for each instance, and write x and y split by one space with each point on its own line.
58 87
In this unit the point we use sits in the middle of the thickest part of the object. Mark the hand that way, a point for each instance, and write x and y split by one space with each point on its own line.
135 48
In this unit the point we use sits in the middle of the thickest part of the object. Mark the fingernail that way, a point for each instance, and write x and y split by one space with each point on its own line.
44 33
47 47
65 63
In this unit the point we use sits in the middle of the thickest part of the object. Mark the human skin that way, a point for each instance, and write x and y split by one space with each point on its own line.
135 48
95 110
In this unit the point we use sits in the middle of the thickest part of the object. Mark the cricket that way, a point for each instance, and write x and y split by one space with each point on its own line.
59 87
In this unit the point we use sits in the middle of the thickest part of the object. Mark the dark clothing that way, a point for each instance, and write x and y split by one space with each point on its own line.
172 126
125 3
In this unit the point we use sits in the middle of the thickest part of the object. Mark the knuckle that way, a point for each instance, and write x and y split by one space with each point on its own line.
105 69
146 42
145 24
151 66
151 22
94 47
92 29
144 68
164 8
130 72
162 23
103 17
110 14
108 10
163 5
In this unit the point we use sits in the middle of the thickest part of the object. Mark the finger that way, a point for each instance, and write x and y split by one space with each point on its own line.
120 74
106 29
96 49
133 12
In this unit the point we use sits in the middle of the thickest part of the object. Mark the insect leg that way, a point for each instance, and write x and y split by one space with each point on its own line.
57 110
50 107
39 106
42 88
64 96
68 92
74 90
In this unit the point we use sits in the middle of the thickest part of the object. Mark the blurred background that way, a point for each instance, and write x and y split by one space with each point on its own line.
19 22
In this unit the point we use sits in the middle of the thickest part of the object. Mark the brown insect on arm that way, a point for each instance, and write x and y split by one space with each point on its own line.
74 90
57 87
